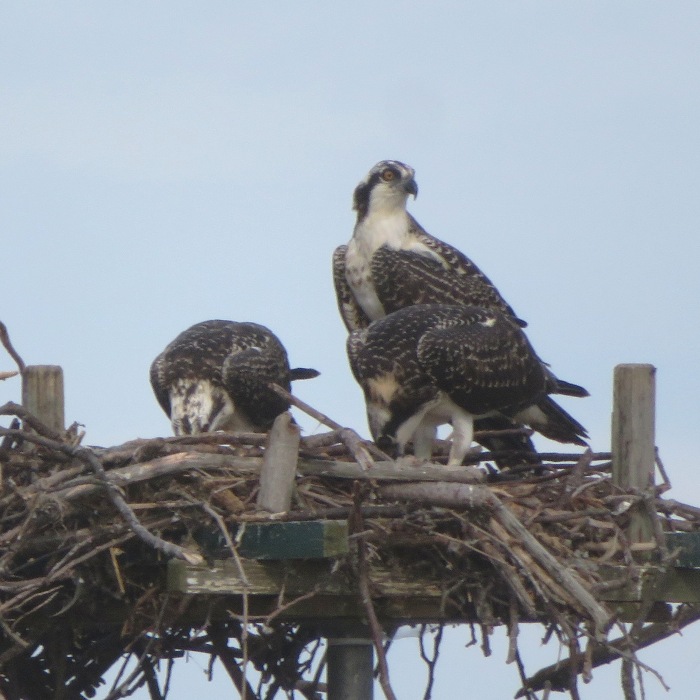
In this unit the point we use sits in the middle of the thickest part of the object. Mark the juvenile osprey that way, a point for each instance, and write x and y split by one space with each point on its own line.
392 262
215 376
427 365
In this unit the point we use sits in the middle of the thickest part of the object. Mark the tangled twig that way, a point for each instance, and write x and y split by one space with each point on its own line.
490 550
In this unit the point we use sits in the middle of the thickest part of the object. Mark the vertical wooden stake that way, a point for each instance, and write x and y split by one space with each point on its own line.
633 443
279 465
42 394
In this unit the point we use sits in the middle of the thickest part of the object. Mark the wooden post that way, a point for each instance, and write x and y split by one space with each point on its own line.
350 653
279 465
42 394
350 663
633 444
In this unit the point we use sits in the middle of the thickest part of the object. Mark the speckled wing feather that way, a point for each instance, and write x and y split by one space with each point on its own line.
351 313
383 361
481 360
215 375
259 360
478 357
196 353
408 277
158 382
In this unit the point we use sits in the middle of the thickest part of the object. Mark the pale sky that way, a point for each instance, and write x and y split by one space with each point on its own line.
164 164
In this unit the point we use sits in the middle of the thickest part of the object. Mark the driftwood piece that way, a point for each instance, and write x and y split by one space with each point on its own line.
440 494
163 466
391 471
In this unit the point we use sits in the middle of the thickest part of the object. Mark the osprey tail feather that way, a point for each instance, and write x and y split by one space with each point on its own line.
569 389
551 420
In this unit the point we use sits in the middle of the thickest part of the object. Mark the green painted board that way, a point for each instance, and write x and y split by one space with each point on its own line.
313 539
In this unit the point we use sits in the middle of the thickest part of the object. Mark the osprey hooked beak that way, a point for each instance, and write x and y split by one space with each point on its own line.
411 187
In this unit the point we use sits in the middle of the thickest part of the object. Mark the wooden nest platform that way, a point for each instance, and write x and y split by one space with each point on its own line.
253 548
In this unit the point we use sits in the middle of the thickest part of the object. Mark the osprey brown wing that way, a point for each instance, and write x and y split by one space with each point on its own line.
350 311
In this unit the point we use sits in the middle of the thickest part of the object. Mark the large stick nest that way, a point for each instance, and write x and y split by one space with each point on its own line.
85 534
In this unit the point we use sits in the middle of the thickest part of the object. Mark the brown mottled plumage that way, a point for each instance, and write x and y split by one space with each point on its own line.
427 365
215 376
392 262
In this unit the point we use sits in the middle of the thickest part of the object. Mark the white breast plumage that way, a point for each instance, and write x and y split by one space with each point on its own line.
377 230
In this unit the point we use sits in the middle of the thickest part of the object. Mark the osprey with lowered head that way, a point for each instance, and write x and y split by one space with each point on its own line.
431 364
216 376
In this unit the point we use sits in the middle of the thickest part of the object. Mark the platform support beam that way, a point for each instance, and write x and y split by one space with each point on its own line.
350 660
350 655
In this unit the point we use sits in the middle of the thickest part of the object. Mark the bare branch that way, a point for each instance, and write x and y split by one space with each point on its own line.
5 340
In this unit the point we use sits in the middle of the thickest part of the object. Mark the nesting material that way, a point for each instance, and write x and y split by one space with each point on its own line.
86 534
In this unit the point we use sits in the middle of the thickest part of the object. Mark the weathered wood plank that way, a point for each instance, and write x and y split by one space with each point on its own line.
397 600
674 586
222 577
678 584
322 611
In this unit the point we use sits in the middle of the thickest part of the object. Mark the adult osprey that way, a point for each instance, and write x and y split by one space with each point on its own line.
427 365
215 376
392 262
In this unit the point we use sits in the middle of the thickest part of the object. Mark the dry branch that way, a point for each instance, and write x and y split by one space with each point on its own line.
492 548
556 676
358 447
480 497
5 340
358 526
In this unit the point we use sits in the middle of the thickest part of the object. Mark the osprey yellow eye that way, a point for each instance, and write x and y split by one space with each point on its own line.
388 175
